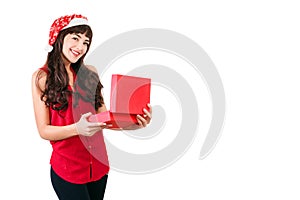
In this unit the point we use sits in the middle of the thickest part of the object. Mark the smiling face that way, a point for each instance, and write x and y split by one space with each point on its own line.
75 45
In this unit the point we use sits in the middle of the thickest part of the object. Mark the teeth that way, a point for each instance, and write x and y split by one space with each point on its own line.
74 52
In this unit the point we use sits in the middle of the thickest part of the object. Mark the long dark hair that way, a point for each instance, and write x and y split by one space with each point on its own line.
87 85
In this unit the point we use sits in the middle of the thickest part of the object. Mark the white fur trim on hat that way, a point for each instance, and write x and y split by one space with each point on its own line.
48 48
76 22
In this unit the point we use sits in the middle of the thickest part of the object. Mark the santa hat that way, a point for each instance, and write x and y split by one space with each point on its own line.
63 23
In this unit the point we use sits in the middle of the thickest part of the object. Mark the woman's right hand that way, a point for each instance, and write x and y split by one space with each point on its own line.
86 128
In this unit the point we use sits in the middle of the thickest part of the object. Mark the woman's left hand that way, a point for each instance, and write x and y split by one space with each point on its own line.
144 120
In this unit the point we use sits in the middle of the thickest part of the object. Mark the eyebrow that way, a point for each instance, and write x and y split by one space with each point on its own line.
87 40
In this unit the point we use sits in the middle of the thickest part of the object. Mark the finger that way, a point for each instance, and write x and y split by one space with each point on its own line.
141 120
148 114
150 107
96 124
90 134
100 125
107 126
140 123
92 131
86 115
95 129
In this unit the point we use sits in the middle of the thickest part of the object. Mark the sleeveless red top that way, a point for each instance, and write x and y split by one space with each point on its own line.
78 159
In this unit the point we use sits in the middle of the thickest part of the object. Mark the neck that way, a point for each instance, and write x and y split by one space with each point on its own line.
68 66
66 62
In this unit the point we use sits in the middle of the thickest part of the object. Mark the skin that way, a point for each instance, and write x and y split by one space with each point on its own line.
74 47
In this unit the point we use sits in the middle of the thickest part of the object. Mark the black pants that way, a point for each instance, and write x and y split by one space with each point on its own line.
69 191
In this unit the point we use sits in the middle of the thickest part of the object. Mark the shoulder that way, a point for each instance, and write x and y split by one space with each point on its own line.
39 74
39 77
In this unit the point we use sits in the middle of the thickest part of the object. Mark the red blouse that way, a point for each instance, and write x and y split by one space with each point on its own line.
78 159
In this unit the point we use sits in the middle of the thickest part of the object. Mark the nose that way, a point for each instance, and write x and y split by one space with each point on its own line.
81 47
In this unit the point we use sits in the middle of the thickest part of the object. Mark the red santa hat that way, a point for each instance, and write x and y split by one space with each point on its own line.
63 23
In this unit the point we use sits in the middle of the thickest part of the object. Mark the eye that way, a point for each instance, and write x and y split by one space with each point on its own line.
75 38
86 43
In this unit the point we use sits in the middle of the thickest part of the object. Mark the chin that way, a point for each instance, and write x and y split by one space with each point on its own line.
73 60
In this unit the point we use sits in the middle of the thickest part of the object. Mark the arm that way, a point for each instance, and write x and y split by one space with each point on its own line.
41 111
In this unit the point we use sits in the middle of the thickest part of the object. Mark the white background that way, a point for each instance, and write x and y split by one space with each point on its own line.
255 47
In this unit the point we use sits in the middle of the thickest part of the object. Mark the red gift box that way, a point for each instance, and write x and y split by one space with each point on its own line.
128 96
117 120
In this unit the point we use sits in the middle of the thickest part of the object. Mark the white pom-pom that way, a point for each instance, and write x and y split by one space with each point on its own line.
48 48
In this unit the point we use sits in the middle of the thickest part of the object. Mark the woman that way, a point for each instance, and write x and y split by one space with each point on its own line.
65 93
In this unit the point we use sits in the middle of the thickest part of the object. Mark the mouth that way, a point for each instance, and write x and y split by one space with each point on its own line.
75 53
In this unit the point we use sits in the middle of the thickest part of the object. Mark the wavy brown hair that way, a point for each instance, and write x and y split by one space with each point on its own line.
87 85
